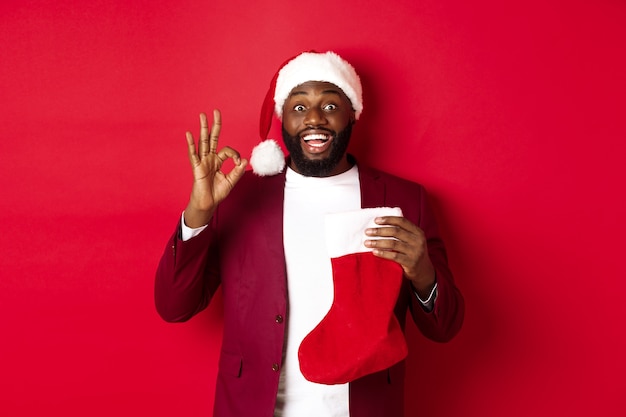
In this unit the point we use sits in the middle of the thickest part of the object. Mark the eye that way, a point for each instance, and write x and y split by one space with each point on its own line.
299 108
330 107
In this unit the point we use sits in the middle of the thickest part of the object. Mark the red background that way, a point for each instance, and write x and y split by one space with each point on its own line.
511 114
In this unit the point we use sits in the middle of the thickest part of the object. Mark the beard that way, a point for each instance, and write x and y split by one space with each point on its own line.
318 167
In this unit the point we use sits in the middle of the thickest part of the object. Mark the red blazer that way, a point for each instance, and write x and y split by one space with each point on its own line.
242 250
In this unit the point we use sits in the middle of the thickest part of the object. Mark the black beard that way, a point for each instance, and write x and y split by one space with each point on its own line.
318 167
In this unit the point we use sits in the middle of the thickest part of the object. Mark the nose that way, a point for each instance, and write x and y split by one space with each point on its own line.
315 117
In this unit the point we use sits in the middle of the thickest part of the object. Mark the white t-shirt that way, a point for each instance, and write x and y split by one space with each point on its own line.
310 286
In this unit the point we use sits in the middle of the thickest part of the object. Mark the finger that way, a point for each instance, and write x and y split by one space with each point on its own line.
237 172
394 226
228 152
398 221
191 149
388 250
395 250
386 244
203 144
215 131
240 164
394 237
392 232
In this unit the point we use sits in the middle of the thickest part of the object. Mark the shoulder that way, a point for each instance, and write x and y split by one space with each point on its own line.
254 191
381 188
252 198
368 174
251 182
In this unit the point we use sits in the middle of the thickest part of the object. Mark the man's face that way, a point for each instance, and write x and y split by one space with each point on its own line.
317 123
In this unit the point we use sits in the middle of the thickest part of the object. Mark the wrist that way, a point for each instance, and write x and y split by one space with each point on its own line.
425 281
422 290
194 217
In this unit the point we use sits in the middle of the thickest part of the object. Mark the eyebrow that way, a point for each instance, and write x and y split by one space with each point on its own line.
304 93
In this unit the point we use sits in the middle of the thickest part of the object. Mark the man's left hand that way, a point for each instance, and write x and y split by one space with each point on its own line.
406 245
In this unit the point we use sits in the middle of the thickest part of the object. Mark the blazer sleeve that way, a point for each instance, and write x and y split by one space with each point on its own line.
445 320
187 275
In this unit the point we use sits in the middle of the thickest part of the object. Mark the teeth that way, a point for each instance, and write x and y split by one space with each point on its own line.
317 136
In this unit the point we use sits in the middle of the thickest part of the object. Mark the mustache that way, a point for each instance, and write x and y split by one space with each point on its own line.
329 131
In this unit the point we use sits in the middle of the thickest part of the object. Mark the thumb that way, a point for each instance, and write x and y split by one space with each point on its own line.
237 172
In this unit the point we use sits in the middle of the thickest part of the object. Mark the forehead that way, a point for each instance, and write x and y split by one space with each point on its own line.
312 88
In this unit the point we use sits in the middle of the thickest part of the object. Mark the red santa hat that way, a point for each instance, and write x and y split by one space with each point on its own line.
308 66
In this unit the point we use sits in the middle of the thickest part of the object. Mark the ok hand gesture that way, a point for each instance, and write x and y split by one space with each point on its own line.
210 184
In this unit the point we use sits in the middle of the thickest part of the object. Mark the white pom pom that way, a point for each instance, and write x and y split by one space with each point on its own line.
267 158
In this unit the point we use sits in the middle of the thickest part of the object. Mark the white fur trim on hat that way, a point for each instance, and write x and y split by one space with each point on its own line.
313 66
267 158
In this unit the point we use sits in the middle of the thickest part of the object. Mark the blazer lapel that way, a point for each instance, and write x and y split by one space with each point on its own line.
372 188
273 192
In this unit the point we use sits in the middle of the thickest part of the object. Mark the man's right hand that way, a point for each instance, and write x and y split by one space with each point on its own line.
210 184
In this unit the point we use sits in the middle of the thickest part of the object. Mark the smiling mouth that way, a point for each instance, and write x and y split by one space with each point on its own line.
316 140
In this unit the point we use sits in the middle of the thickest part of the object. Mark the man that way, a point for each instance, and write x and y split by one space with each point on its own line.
262 238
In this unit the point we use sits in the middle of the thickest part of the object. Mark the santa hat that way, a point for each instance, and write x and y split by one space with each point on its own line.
308 66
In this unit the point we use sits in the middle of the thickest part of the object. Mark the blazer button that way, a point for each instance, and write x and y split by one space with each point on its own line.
279 318
275 367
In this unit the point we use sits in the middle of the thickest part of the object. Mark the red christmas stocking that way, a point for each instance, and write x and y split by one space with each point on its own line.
360 334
